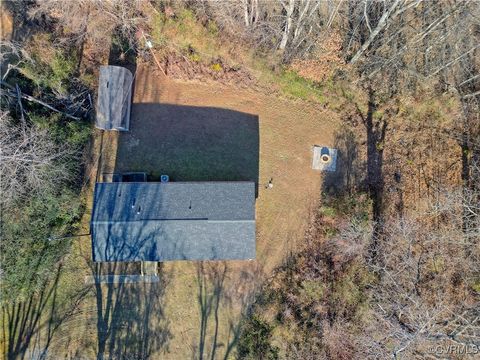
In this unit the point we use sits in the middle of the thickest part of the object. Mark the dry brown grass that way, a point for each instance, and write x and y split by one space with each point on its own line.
6 24
287 130
201 306
324 62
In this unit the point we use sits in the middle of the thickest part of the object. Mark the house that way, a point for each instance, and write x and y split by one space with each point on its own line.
154 221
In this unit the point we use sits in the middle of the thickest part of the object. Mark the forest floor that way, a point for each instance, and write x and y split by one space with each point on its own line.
194 130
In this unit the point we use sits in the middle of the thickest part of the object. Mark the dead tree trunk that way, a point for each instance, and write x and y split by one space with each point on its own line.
288 24
382 23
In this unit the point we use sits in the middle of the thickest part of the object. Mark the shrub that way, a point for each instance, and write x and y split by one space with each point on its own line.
54 75
194 57
254 343
476 286
76 133
216 67
29 249
62 68
212 27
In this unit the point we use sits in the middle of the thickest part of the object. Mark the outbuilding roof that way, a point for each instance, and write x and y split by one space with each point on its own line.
114 98
173 221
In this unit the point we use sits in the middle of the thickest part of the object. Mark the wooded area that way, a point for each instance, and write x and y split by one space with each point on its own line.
390 266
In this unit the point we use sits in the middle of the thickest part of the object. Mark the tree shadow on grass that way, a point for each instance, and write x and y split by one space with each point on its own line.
30 327
190 143
121 53
131 322
347 176
24 26
209 301
214 298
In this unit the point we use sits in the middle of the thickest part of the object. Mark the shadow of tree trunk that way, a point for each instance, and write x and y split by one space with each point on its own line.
131 323
40 316
346 177
376 130
210 281
232 339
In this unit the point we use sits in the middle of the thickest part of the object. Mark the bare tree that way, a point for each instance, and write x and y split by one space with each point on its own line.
290 26
95 20
423 295
30 161
390 10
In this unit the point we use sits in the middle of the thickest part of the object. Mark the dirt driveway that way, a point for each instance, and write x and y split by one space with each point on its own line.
198 131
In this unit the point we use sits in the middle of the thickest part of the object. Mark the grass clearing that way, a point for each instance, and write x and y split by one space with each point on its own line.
195 131
184 33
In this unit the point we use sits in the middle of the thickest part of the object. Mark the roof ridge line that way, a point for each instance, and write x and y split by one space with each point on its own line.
106 222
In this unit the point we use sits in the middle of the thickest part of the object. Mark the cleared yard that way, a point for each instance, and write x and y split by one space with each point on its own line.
194 131
197 131
190 143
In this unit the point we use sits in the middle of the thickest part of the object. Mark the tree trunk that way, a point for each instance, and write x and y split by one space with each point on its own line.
288 24
245 13
382 23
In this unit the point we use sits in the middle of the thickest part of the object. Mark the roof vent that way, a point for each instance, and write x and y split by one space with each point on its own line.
138 210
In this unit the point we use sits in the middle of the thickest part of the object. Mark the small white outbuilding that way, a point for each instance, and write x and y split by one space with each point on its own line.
114 98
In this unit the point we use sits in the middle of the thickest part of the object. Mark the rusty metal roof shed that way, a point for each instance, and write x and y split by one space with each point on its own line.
114 98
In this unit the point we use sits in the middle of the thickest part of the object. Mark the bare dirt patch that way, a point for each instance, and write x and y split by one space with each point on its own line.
183 67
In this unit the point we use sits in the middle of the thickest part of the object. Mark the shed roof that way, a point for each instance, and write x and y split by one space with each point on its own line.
173 221
114 98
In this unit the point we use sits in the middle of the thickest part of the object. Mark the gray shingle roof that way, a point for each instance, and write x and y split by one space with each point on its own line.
173 221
